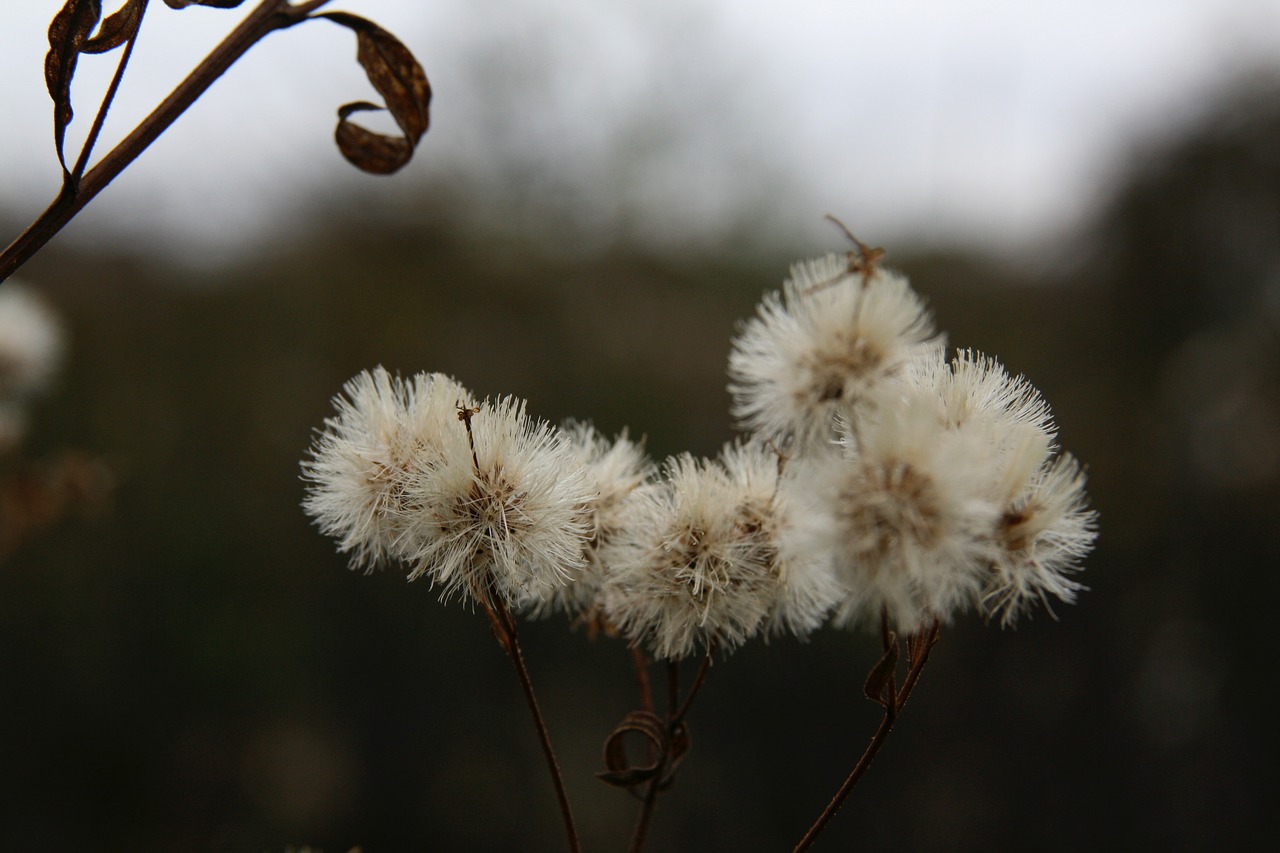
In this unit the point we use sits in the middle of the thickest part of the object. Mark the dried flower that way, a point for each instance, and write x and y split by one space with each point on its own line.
700 563
828 342
806 585
617 469
976 388
1043 533
479 498
1044 527
504 508
386 430
906 512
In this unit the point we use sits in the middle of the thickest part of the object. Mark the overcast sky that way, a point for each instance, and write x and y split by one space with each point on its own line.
990 121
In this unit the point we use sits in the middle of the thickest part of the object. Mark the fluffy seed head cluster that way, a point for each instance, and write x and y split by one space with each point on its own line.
879 479
933 486
475 496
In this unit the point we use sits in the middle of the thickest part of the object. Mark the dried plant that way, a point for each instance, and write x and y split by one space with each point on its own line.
879 485
79 28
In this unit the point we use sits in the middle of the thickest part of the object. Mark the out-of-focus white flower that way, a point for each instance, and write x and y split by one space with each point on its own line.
31 341
617 468
477 497
906 513
386 431
1043 533
831 340
699 563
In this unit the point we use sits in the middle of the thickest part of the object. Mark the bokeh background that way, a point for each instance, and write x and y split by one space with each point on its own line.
1090 191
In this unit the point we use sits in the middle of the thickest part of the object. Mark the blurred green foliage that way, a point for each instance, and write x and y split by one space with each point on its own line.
192 667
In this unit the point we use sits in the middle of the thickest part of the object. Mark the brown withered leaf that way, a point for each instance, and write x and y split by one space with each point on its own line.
372 152
116 28
68 32
401 82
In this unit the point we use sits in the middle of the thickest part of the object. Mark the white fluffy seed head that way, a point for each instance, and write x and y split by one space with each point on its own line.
975 393
386 430
505 511
828 342
705 560
975 388
806 587
477 497
906 515
689 572
1041 536
1043 527
618 469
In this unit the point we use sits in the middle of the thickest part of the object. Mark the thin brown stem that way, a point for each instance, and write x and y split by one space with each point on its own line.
268 16
676 712
507 624
673 688
642 677
98 120
924 642
698 679
641 831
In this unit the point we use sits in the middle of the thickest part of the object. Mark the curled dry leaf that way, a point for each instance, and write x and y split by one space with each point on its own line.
116 29
68 33
401 82
69 36
665 746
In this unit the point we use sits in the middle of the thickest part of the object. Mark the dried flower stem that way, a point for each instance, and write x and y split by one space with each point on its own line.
270 15
504 626
918 647
678 716
676 712
642 677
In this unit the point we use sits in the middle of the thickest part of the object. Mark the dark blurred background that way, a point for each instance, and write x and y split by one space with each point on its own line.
188 665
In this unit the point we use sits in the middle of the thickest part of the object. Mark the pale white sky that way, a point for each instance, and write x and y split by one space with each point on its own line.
989 121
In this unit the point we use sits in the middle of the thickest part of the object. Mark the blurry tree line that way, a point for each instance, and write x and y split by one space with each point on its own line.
191 667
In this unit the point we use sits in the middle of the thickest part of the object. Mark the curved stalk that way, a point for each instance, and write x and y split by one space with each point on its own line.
504 626
918 648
